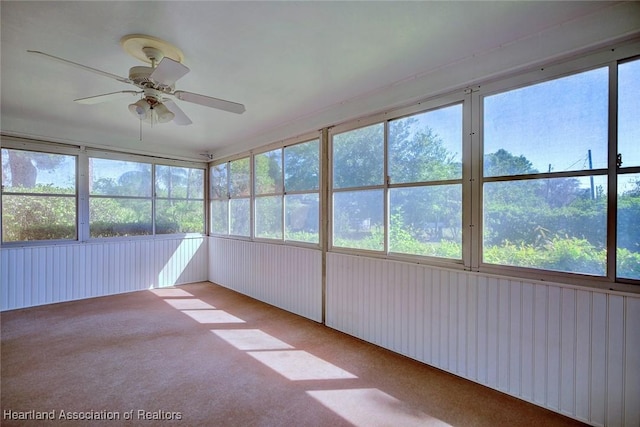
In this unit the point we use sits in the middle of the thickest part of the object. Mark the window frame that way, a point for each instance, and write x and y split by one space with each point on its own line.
153 161
609 58
281 145
438 102
255 195
150 198
184 199
317 191
228 197
11 143
82 155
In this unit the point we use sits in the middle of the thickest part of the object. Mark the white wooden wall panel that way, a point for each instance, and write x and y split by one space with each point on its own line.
288 277
632 362
571 350
37 275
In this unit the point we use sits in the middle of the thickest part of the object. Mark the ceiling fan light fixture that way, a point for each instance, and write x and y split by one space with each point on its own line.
162 113
140 109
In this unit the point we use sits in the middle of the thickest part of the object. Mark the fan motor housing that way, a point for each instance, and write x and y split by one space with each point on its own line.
141 77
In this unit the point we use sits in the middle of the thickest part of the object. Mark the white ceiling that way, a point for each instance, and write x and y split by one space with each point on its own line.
297 66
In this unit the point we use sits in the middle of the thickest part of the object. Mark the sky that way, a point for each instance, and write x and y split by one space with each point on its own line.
554 124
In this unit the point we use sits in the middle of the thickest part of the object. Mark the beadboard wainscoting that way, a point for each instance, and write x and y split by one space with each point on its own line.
288 277
574 351
36 275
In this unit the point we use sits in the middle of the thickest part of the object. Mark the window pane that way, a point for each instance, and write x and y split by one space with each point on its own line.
358 219
269 217
239 213
219 181
301 217
239 184
268 172
358 157
119 178
220 216
110 217
176 182
554 224
302 166
38 218
628 261
629 113
33 172
427 146
559 125
179 216
426 221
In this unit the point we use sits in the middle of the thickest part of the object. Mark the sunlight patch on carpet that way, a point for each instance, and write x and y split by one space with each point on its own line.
188 304
170 292
212 316
251 339
370 407
298 365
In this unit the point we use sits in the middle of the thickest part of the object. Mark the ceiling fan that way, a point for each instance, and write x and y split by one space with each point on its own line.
156 82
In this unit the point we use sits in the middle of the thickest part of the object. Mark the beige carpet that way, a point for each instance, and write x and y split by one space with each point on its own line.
202 355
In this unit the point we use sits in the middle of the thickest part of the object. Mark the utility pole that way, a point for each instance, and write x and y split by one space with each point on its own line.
593 193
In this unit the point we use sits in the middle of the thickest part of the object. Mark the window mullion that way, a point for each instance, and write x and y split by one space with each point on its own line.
83 233
386 220
612 183
252 197
474 169
282 194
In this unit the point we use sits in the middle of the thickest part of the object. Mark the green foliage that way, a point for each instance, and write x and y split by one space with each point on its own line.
302 236
558 254
419 157
302 166
268 172
239 180
503 163
26 218
628 221
358 157
179 216
628 263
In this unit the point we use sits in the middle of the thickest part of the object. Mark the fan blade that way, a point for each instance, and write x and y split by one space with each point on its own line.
208 101
84 67
168 72
106 97
180 117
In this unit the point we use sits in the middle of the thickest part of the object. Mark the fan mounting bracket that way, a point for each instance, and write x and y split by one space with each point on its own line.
150 49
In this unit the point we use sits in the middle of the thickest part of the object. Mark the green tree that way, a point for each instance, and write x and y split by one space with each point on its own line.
503 163
24 166
302 166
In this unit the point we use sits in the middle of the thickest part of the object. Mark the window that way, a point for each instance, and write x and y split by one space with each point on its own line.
628 215
425 155
38 196
239 197
220 199
179 200
422 193
231 198
269 190
358 194
120 199
287 193
302 197
545 183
